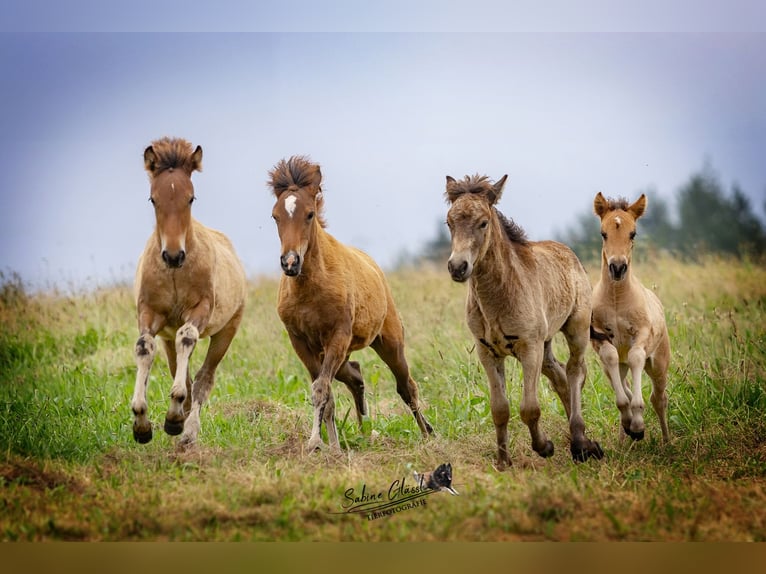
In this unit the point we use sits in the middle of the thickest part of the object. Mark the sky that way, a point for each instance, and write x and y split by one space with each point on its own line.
387 112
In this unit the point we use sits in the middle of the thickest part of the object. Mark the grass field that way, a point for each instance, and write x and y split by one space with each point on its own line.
70 470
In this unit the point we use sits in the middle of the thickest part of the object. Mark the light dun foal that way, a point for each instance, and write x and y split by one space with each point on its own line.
628 329
520 294
189 285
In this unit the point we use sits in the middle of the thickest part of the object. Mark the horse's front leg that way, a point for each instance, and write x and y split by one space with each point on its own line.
205 379
531 357
494 366
610 361
321 393
148 325
144 354
186 340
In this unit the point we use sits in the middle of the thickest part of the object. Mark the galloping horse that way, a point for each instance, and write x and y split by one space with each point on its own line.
333 299
189 285
628 326
520 293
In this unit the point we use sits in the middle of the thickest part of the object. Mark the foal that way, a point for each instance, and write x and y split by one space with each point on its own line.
333 299
520 293
189 285
628 325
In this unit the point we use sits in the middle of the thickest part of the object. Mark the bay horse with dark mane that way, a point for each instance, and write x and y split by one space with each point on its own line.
629 332
189 285
520 294
333 300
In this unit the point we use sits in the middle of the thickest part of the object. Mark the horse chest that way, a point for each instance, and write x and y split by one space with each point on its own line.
619 328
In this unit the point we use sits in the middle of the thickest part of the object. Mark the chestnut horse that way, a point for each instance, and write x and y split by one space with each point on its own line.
333 299
520 293
628 326
189 285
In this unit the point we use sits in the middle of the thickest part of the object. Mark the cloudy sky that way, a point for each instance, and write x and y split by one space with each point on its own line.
387 114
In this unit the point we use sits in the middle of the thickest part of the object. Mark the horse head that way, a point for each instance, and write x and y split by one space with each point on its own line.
618 230
170 163
296 184
472 207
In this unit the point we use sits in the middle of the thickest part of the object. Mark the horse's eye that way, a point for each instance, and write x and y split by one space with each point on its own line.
632 235
275 218
191 200
603 234
151 200
310 216
483 225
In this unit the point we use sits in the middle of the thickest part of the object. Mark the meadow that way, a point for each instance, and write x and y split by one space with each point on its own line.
70 470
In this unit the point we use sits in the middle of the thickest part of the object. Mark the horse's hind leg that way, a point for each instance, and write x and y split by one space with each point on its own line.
554 372
205 378
351 375
391 350
657 369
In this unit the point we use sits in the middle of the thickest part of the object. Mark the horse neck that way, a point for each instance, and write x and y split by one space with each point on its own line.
316 258
498 268
618 291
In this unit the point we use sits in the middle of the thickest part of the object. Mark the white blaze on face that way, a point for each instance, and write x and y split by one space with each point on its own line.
618 221
290 201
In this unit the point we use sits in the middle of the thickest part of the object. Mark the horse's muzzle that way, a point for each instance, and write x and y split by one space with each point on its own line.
618 270
458 272
174 261
291 263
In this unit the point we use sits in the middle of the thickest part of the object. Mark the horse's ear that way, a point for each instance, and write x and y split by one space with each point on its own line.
600 205
638 208
447 194
497 190
150 159
196 159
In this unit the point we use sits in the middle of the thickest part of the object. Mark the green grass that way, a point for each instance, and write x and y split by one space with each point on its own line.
70 470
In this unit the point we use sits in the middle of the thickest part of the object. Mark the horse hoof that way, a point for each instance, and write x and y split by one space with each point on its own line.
142 437
597 452
547 450
582 454
173 428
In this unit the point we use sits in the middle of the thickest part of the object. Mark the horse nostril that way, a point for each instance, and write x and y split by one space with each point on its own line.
173 260
459 271
291 263
618 269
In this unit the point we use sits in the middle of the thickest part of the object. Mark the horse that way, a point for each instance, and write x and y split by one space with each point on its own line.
520 294
189 285
628 330
333 299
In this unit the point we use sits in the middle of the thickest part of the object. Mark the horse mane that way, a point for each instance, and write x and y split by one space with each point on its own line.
619 203
513 231
173 153
295 173
469 184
